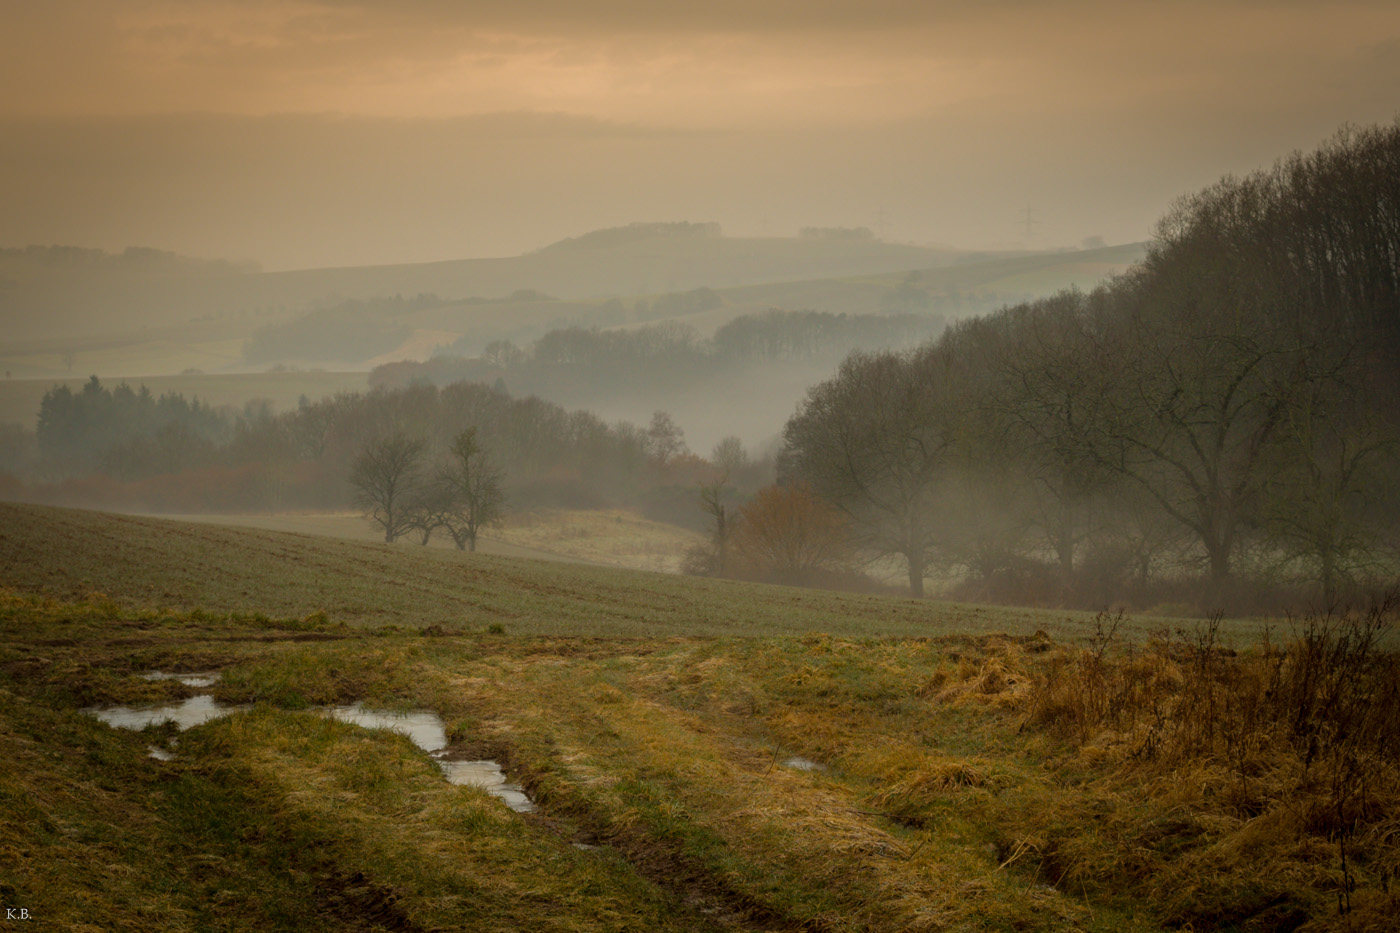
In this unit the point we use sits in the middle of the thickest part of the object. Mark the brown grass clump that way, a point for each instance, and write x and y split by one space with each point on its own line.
998 680
1287 757
912 799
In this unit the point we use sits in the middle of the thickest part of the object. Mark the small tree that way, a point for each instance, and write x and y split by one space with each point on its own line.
430 510
712 504
729 456
387 476
788 535
473 496
664 439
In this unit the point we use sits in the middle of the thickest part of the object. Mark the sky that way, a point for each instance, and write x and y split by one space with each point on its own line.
346 132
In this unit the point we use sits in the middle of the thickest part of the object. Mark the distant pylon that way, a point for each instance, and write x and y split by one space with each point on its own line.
1030 221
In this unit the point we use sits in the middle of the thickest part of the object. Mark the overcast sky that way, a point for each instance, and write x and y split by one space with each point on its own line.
351 131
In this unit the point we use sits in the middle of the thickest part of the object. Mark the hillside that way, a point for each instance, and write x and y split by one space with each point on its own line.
390 739
75 319
70 554
46 297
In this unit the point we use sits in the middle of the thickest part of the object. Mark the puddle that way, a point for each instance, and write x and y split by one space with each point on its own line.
488 776
798 763
424 727
187 713
202 679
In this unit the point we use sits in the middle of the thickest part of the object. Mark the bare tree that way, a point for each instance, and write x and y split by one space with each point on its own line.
729 456
1326 476
665 439
875 442
1046 398
472 494
387 476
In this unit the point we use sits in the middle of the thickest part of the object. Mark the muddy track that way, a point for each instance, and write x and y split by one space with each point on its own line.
684 878
358 904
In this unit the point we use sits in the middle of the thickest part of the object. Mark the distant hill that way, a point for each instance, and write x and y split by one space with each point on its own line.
42 298
70 313
631 233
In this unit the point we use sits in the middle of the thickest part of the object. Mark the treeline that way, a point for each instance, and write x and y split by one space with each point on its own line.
1221 421
125 432
118 448
69 259
669 353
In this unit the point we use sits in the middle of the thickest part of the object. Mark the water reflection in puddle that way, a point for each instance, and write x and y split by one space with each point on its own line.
423 727
185 714
488 776
201 679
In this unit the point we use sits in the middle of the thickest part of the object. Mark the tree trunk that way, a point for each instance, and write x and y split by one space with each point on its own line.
1219 553
916 574
1329 578
1064 543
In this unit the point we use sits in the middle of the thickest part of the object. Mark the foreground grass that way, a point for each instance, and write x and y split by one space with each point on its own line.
969 783
71 554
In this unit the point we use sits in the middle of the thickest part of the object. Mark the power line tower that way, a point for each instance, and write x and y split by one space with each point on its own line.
1031 221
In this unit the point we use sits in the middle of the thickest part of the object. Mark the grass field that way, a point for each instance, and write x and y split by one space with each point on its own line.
140 561
607 537
962 768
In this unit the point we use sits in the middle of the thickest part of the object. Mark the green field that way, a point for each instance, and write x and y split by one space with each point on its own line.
703 755
138 561
605 537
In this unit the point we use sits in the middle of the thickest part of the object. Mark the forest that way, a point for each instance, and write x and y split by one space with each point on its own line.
1221 419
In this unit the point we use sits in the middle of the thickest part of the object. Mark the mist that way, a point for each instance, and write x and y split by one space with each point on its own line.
318 229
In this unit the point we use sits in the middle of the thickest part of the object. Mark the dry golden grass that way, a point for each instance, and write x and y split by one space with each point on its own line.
611 537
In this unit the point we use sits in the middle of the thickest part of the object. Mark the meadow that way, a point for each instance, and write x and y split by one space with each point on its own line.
606 537
704 755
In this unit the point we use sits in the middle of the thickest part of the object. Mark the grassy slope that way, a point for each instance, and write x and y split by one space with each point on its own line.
146 561
972 782
606 537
